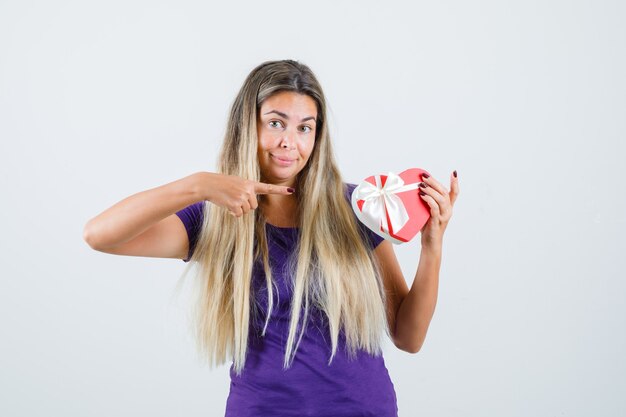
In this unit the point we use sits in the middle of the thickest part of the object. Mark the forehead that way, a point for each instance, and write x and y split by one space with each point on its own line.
290 103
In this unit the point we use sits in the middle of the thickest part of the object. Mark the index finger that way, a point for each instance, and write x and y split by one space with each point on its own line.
432 182
264 188
454 187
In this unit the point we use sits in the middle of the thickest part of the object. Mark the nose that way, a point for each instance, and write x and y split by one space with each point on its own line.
287 142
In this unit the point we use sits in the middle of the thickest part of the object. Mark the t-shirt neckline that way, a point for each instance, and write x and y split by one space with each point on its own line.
280 227
297 228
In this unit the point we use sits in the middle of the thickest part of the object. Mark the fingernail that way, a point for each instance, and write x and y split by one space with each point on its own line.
422 192
291 190
454 173
425 175
421 184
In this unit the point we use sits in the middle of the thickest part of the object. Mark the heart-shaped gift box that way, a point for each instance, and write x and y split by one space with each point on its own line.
390 205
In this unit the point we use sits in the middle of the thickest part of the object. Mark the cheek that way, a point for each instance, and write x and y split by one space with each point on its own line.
265 142
306 151
269 139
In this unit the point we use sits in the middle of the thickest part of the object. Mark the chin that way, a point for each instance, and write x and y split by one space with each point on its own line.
283 175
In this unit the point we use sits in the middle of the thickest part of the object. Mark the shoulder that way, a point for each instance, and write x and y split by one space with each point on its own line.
372 238
192 217
192 214
348 189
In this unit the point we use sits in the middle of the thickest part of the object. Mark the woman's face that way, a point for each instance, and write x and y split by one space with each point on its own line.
286 131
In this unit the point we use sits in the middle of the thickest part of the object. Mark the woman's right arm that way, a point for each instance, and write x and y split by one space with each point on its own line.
145 223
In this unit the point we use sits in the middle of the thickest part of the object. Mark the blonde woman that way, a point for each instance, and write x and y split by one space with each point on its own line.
292 287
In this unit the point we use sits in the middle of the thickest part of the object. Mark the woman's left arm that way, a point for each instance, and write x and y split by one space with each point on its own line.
417 307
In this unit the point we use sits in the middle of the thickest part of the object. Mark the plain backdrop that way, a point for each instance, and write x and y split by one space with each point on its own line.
526 100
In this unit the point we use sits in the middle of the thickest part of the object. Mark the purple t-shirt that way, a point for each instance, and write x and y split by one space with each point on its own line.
311 387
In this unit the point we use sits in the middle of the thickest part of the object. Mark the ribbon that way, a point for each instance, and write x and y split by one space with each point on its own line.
382 200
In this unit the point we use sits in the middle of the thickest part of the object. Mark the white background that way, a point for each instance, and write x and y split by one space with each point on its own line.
526 100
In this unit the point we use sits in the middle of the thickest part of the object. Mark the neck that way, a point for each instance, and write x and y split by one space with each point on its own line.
279 210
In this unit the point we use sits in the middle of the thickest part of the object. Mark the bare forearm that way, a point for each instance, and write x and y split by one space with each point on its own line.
417 308
136 213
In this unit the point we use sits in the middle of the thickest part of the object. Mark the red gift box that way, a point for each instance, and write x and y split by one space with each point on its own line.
390 204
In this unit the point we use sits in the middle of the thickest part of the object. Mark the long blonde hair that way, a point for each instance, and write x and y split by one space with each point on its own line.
334 269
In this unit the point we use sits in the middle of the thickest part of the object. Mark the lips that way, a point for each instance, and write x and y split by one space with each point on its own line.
283 158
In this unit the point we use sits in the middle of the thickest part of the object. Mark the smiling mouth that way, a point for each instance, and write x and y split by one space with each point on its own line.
281 159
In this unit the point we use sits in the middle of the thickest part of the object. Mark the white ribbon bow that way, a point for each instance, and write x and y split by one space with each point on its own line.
382 200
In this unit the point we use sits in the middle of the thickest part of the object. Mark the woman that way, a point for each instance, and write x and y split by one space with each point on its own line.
284 265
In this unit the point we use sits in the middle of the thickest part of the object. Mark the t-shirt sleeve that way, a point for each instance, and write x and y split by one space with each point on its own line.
371 238
192 217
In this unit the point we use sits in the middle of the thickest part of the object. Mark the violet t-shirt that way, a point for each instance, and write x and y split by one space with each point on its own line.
311 387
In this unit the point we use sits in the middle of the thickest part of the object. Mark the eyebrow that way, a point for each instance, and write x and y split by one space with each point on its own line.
287 117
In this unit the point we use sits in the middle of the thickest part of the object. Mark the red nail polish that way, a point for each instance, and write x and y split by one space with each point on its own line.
422 192
425 175
455 173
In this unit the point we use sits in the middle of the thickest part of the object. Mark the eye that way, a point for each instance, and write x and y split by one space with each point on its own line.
275 121
308 127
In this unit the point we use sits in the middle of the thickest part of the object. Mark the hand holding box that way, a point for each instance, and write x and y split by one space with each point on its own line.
390 205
